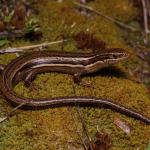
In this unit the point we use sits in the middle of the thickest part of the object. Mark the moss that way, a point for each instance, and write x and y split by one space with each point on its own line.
54 128
122 10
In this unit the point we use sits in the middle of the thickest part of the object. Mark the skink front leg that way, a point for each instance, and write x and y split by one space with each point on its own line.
2 67
77 79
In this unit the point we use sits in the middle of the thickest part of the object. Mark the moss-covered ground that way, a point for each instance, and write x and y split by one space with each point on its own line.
54 128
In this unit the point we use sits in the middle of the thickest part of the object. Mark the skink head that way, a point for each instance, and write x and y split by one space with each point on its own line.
111 56
105 58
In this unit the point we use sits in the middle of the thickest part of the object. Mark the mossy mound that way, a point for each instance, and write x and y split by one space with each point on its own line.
55 128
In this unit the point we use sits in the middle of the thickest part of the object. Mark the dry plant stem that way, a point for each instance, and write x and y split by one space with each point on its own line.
84 128
83 123
73 117
75 123
83 1
23 48
148 7
145 16
107 17
11 112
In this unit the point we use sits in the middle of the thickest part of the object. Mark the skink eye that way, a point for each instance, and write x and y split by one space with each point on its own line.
114 56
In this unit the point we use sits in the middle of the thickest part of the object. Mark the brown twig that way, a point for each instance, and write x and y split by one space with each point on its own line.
107 17
145 16
148 7
84 128
81 139
2 119
83 123
75 123
23 48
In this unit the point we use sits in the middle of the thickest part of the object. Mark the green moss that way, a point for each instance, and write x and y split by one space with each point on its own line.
54 128
122 10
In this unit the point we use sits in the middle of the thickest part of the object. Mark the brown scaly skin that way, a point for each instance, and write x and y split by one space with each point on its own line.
27 66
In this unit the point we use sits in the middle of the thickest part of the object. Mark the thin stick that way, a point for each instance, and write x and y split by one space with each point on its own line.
84 127
2 119
145 16
82 121
74 92
107 17
73 117
23 48
148 7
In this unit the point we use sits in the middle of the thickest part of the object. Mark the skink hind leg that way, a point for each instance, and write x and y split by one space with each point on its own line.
28 77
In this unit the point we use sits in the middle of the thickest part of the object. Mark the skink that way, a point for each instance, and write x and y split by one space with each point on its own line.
27 66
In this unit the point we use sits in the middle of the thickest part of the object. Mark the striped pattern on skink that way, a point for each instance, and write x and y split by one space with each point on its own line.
73 63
